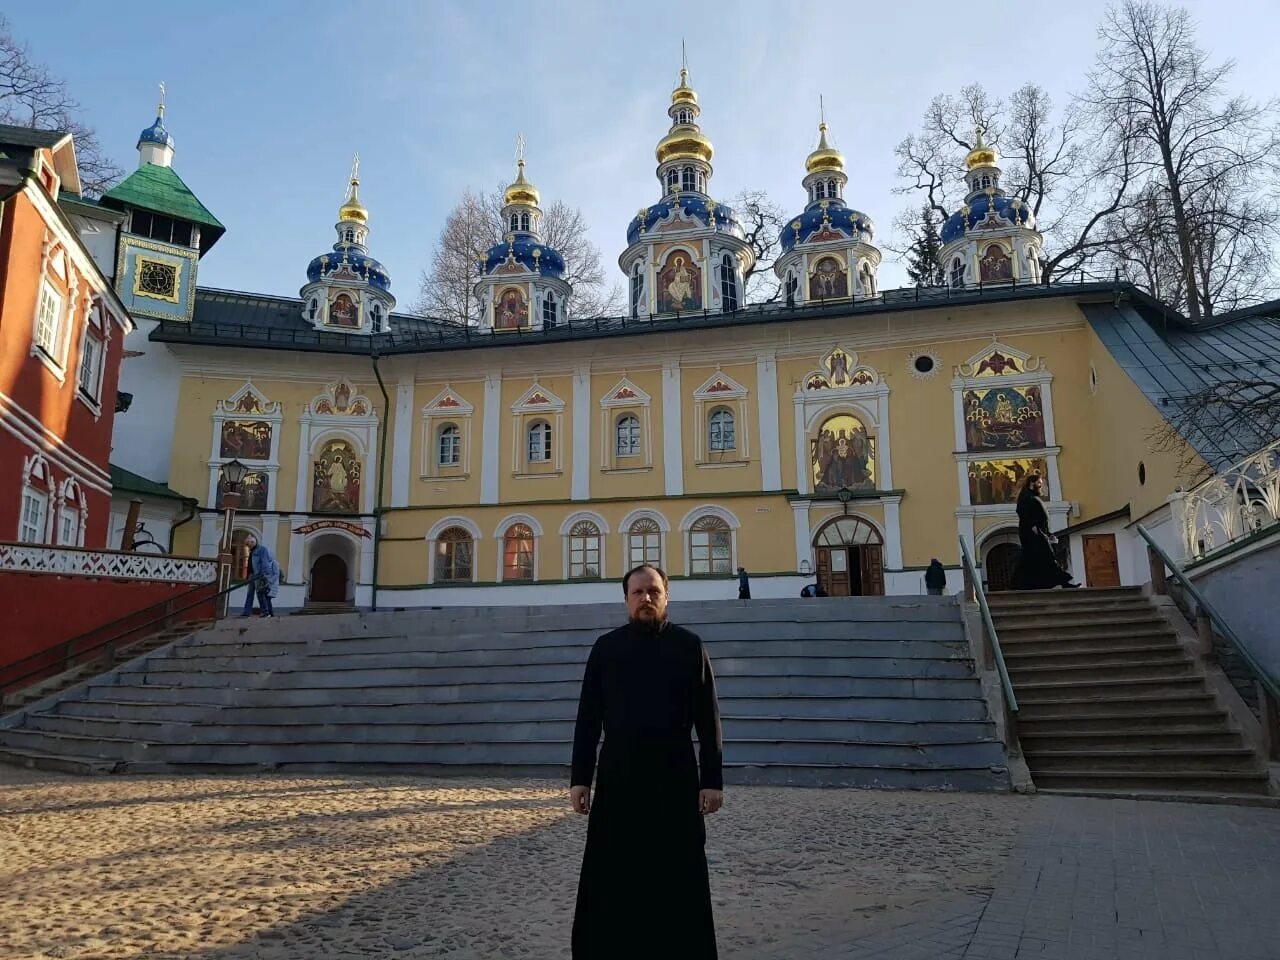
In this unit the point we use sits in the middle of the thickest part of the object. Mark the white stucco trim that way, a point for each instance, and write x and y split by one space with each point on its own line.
580 479
443 524
591 515
767 405
402 442
513 518
672 430
489 439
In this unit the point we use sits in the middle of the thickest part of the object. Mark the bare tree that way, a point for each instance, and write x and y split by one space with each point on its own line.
1245 409
31 96
762 222
446 287
1206 162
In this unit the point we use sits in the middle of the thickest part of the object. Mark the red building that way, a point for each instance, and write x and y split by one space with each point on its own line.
62 331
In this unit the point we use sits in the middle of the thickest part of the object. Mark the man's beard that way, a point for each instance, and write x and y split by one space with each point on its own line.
649 619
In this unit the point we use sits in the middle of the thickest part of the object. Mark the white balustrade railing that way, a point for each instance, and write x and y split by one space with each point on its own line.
1237 503
114 564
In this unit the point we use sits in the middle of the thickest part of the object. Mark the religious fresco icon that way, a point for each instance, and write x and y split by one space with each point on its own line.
245 440
842 455
829 280
336 479
248 404
512 310
1000 481
995 364
679 284
344 311
995 264
1003 418
253 490
838 365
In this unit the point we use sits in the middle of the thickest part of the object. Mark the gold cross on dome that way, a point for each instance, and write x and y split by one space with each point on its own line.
355 168
519 147
160 108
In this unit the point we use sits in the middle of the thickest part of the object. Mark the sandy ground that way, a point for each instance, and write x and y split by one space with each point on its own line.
291 867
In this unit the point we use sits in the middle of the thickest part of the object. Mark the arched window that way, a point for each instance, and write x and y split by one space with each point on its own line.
70 515
524 221
644 543
312 308
819 190
688 179
673 179
721 432
986 182
957 272
728 282
793 285
549 310
584 551
710 547
637 289
455 555
377 317
449 449
868 281
831 189
684 116
515 221
539 442
628 436
977 183
517 553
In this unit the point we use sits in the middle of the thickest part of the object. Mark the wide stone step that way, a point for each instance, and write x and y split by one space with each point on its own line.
1106 689
1086 641
1068 702
1085 596
1149 667
1023 659
499 730
1069 603
1157 781
1066 723
1185 759
756 752
1032 623
1156 739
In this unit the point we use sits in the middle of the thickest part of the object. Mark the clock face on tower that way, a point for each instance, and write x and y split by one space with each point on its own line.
157 279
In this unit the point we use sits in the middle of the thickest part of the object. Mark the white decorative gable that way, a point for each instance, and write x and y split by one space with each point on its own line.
624 393
538 399
720 386
448 403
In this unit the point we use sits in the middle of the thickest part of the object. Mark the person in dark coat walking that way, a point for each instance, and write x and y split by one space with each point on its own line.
744 584
1037 567
935 578
644 891
264 577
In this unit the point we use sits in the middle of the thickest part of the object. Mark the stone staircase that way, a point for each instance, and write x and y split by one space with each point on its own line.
1111 702
866 691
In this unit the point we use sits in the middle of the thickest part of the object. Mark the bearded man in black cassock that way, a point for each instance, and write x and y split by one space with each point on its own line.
644 890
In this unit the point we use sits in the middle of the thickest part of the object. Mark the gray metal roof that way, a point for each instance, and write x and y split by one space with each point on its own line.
29 137
1171 361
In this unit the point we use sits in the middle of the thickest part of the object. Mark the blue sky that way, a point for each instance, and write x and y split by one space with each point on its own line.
267 101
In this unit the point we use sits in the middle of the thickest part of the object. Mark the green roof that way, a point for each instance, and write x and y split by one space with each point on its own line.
126 481
160 190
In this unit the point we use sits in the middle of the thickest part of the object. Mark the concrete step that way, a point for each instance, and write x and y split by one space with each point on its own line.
1085 596
1085 621
1186 759
1156 781
498 730
1068 702
1155 739
1146 668
61 763
1066 723
1084 641
1023 659
1068 603
1107 689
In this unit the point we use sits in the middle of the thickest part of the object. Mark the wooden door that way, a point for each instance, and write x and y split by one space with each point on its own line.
871 561
1101 565
1000 564
329 579
833 570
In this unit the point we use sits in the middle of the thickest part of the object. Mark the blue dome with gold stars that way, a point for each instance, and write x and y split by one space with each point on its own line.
693 206
348 263
156 133
816 219
528 251
1008 210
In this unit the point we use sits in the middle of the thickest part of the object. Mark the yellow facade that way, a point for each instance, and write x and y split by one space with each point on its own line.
630 430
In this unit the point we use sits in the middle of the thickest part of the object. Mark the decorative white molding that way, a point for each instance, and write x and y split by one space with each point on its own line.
1239 502
489 439
402 442
23 558
580 459
672 433
767 406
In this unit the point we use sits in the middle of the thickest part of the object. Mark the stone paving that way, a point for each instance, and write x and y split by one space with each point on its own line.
276 867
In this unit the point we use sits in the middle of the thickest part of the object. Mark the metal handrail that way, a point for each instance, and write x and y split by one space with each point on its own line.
971 572
1260 673
63 656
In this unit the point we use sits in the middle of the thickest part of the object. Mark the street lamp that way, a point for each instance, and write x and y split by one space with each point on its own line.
232 476
845 495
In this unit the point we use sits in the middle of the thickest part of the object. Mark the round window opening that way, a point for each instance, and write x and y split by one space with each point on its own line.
1142 473
923 363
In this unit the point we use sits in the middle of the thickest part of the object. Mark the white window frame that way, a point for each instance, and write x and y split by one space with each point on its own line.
719 417
722 529
539 442
728 283
40 525
449 434
68 538
95 348
580 547
634 444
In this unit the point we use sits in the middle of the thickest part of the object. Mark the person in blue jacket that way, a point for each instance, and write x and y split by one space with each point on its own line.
264 577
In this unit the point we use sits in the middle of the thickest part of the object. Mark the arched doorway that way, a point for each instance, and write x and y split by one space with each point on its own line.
328 579
1001 560
850 555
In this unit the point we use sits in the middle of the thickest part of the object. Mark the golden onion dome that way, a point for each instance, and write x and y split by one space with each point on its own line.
521 190
825 157
982 154
352 208
683 93
684 142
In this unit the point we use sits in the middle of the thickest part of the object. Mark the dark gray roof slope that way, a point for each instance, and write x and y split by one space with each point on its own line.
30 137
1171 360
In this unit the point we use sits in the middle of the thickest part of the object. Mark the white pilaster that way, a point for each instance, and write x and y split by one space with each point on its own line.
672 439
804 481
892 533
580 467
885 452
489 437
804 549
297 548
402 442
303 498
767 402
964 527
1046 405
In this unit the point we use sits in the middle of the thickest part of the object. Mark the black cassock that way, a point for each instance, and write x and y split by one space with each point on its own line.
644 890
1037 567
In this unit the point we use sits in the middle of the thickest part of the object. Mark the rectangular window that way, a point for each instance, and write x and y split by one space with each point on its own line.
31 524
68 527
584 557
91 367
645 548
49 321
710 552
450 447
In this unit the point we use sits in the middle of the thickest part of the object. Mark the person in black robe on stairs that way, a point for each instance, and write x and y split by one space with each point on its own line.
644 891
1037 567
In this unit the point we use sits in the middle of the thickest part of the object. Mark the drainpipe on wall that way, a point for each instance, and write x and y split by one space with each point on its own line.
382 471
191 513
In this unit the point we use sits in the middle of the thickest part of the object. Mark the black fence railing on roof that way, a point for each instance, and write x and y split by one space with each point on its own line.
452 336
